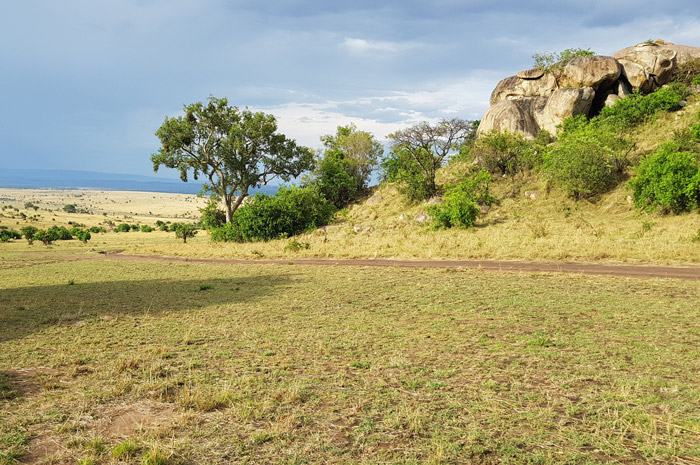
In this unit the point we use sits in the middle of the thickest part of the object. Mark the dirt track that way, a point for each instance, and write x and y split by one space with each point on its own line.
633 271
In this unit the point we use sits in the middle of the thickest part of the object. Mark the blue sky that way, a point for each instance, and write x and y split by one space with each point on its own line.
85 83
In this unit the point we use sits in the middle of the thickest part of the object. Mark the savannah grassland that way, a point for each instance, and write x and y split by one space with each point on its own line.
164 362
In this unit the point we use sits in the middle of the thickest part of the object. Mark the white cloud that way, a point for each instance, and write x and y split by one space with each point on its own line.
362 45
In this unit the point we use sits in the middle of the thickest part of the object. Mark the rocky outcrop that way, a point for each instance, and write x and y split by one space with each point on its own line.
538 99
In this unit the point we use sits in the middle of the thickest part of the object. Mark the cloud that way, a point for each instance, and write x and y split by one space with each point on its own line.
362 45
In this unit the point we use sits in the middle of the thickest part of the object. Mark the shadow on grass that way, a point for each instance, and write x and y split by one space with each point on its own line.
26 310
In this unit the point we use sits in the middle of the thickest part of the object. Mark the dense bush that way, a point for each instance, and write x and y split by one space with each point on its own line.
47 236
636 108
9 234
123 227
212 215
335 178
70 208
668 179
97 229
28 232
289 211
146 228
401 168
582 163
461 203
502 153
83 235
60 233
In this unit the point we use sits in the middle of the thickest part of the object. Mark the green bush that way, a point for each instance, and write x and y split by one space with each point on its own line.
288 212
123 227
460 207
636 108
336 180
550 62
581 164
502 153
146 228
83 235
97 229
47 236
60 233
7 235
28 232
667 179
212 215
70 208
401 168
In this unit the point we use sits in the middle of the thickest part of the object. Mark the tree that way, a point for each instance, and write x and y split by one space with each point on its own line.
28 232
236 150
419 151
70 208
552 62
360 150
184 230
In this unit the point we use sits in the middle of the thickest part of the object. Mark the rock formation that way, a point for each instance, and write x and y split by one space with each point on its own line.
536 99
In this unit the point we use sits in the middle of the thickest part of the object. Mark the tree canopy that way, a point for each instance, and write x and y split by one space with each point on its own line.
237 150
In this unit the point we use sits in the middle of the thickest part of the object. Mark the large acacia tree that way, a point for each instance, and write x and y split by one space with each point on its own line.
237 150
419 151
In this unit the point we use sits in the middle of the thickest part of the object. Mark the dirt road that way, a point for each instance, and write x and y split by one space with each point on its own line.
623 270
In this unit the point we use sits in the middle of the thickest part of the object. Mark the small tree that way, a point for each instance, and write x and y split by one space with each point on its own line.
184 230
556 61
419 151
70 208
360 152
462 202
28 232
335 179
83 235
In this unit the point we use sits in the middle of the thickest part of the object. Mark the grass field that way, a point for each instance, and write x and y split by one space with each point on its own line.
177 363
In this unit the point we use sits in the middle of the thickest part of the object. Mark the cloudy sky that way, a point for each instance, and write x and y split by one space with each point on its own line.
85 83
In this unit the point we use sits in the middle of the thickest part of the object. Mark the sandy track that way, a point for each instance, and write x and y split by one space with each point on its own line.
632 271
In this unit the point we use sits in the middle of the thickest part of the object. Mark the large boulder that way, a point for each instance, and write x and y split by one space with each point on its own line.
535 99
515 87
651 64
597 72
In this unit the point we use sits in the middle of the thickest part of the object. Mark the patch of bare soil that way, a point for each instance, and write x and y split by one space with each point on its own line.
126 419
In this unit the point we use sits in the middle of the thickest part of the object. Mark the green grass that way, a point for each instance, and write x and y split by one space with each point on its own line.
278 364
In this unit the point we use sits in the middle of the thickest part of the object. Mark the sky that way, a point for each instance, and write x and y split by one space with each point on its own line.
84 84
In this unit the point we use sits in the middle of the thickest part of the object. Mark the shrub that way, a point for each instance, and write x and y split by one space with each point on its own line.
581 164
212 215
461 202
9 234
502 153
667 179
60 233
83 235
70 208
288 212
146 228
28 232
636 108
97 229
412 181
550 62
335 179
47 236
123 227
688 73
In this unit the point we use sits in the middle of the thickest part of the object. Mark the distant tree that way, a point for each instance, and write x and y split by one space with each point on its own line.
237 150
83 235
184 230
556 61
419 151
123 227
70 208
360 149
28 232
7 235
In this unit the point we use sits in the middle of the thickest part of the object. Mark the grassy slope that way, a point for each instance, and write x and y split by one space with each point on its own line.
269 364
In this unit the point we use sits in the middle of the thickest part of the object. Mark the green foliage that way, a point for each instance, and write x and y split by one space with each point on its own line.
212 215
636 108
83 235
360 150
28 232
668 179
61 233
335 179
502 153
123 227
419 151
70 208
696 80
460 207
97 229
235 149
184 230
146 228
7 235
552 61
296 246
47 236
582 163
290 211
